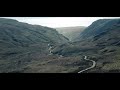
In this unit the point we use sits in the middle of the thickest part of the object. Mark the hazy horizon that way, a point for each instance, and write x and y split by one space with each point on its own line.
56 22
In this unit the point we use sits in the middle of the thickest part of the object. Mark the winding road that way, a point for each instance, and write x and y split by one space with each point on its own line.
85 58
93 65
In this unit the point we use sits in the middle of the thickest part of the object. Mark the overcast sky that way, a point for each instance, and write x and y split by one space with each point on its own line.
59 21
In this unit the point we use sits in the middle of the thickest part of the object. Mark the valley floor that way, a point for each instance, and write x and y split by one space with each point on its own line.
55 64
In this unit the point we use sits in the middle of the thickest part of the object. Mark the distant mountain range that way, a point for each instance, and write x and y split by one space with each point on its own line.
71 32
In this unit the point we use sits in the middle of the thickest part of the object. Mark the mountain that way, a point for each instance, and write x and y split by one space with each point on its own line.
21 43
98 27
101 42
71 32
24 48
20 34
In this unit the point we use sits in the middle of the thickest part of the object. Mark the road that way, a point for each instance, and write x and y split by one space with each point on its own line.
50 51
85 58
93 65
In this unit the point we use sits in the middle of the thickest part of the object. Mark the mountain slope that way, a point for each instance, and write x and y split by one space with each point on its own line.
98 27
21 43
101 33
101 42
71 32
17 33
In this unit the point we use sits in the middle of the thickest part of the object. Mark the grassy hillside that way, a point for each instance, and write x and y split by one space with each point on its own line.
24 47
21 43
101 42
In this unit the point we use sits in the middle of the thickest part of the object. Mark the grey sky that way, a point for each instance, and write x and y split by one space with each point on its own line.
59 21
